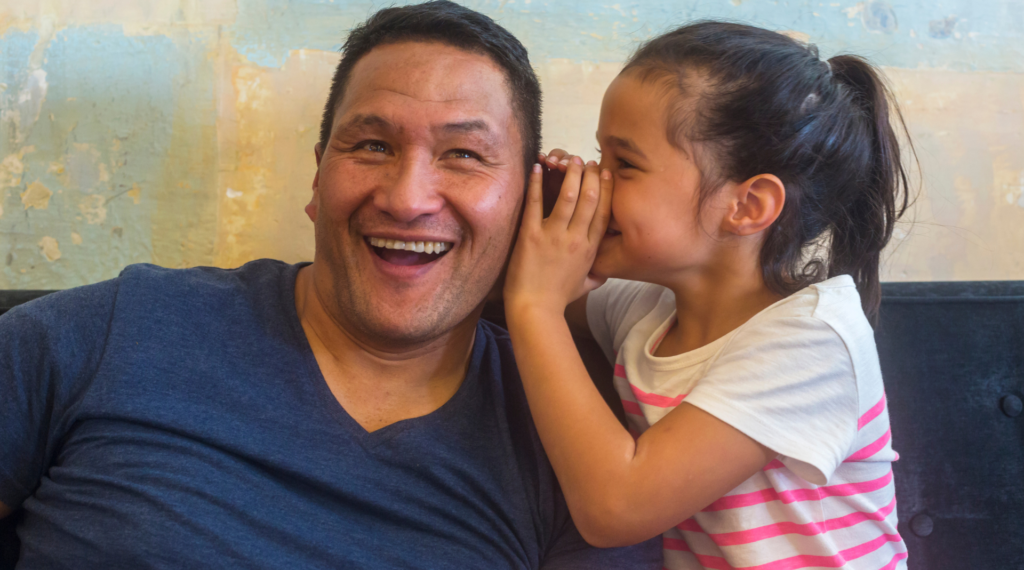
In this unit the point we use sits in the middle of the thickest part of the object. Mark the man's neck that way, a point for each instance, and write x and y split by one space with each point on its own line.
379 384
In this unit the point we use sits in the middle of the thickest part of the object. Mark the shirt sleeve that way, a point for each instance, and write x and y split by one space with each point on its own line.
571 552
613 309
789 384
49 350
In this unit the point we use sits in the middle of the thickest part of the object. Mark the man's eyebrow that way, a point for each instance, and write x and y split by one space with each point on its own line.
463 127
368 121
626 144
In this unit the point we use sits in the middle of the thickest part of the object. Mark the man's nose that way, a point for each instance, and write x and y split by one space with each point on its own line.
414 192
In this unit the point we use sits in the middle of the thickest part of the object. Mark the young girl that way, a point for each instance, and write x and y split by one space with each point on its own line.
754 189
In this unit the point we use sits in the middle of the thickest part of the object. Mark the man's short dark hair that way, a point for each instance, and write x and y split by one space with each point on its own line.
448 23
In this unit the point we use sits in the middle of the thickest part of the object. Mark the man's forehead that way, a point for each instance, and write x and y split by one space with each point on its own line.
446 80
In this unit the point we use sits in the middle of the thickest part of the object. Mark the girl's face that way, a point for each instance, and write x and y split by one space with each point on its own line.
654 234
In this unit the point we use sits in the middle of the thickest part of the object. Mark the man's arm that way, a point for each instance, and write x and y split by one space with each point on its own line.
49 348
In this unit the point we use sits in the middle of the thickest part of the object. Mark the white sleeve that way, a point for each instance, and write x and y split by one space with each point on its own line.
789 384
613 309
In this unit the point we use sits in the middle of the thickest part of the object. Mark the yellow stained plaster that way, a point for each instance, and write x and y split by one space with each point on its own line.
136 18
36 196
135 193
12 167
94 208
50 248
268 126
182 195
966 127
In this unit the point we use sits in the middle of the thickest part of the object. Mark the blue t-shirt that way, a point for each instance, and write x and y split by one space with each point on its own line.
178 419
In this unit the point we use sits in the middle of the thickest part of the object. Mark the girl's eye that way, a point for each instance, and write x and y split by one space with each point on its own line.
625 164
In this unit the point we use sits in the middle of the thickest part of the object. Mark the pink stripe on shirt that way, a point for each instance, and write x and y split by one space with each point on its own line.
895 560
872 413
871 448
713 562
786 527
632 407
655 399
798 495
794 562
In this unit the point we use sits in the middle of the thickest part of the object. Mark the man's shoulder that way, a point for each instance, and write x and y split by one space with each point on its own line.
153 279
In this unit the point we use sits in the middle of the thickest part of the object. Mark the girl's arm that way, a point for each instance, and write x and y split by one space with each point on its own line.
619 491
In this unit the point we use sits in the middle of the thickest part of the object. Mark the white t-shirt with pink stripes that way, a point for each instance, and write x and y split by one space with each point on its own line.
802 378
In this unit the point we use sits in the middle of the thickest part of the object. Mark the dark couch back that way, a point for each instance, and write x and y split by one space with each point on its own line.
952 357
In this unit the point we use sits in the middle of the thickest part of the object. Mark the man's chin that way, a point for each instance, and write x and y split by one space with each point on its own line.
396 326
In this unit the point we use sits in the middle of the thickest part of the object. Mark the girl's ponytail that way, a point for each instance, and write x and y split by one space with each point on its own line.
863 209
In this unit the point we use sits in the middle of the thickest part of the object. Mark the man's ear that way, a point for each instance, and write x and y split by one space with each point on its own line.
754 205
318 150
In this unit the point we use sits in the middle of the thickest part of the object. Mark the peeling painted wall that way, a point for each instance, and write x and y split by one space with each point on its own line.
181 133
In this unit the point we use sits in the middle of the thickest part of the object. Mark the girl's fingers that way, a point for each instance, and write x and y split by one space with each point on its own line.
533 209
589 198
604 208
561 214
558 159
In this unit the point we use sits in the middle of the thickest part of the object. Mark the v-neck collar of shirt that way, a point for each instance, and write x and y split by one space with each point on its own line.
329 403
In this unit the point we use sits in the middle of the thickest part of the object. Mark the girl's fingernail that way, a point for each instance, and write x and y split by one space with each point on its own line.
606 174
591 163
564 162
577 160
536 169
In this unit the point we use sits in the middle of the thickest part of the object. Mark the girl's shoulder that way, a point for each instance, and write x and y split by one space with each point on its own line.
826 316
834 301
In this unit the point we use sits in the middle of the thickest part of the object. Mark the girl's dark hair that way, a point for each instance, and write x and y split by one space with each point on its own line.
755 102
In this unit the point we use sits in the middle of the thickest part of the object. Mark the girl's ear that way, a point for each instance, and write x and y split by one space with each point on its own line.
754 205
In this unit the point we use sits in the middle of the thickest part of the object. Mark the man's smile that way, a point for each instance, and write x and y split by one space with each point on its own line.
412 252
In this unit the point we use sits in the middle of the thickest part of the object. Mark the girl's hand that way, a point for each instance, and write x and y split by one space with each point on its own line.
551 262
553 166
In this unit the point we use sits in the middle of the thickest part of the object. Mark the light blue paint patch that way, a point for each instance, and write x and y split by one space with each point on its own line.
103 87
15 49
988 36
265 31
942 29
879 17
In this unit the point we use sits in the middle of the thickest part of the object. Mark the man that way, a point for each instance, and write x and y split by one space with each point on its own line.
348 413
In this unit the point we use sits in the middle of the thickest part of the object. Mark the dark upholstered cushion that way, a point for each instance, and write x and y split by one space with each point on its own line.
952 357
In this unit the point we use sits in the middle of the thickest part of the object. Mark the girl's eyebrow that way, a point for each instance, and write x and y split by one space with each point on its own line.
626 144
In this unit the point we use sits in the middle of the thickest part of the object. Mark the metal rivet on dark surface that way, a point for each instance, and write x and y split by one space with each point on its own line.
922 525
1011 405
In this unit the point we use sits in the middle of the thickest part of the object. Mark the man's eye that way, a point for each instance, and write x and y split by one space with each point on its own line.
462 153
374 146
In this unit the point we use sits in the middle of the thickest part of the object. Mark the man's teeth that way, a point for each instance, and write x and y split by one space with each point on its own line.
418 246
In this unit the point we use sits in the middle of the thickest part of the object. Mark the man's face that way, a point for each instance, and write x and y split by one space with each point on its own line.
424 148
